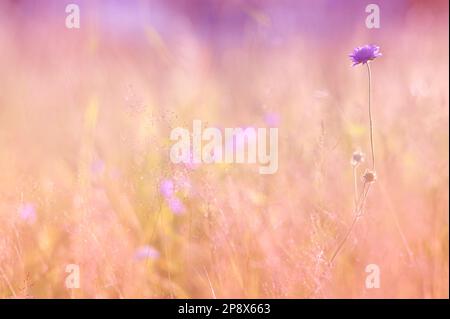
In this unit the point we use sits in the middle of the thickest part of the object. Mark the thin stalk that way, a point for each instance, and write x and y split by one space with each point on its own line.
360 202
357 214
370 119
355 185
338 249
8 283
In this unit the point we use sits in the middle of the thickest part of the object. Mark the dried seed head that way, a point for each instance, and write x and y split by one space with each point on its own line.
369 176
357 158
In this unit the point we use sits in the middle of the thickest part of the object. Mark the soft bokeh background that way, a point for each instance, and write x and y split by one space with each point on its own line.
85 176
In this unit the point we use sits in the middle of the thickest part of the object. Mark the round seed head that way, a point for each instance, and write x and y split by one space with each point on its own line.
357 158
369 176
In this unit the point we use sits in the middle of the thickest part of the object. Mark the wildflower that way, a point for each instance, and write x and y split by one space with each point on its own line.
27 212
369 176
176 206
272 119
365 54
167 188
362 55
357 158
146 252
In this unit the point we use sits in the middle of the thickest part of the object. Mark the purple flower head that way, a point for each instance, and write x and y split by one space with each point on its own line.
176 206
27 212
146 252
272 119
167 188
365 53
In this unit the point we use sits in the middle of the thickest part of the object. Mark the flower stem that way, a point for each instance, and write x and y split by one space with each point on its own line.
359 210
361 201
370 119
338 249
355 185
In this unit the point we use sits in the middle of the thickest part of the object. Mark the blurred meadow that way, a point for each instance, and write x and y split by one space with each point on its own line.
85 174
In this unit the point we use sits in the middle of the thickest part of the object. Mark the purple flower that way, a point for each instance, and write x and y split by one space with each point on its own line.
167 188
176 206
27 212
146 252
272 119
364 54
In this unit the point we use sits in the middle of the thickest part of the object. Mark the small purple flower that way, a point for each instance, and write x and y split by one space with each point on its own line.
146 252
176 206
365 53
272 119
27 212
167 188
